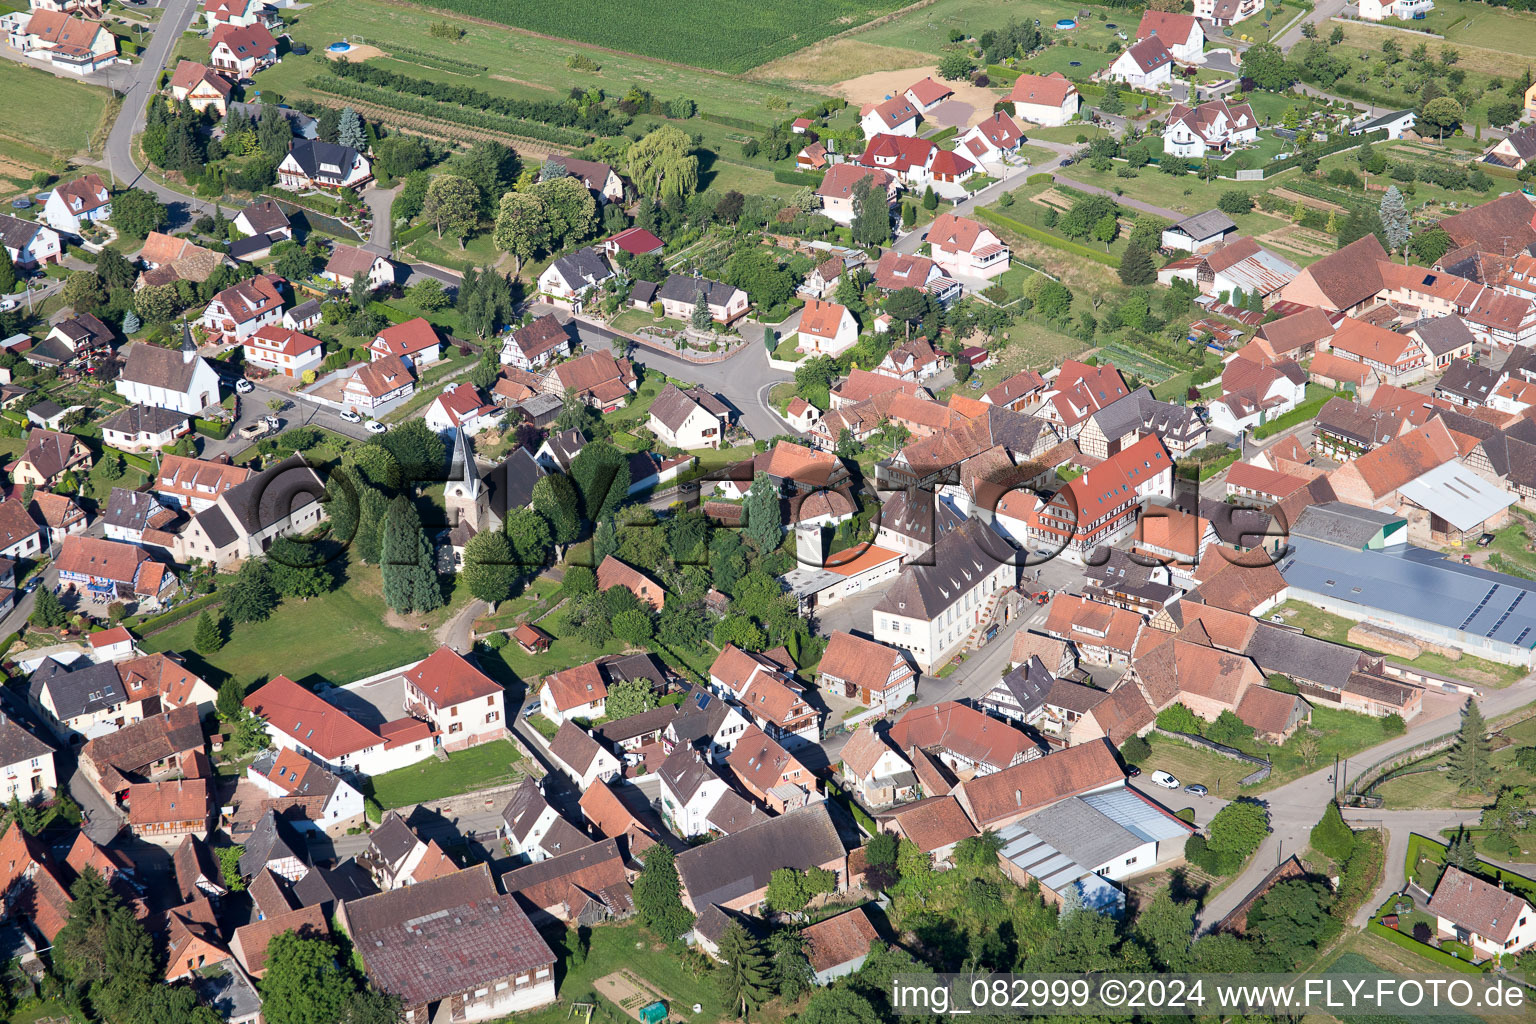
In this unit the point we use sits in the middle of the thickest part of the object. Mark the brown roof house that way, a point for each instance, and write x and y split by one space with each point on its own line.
453 943
163 812
579 889
935 824
875 770
875 675
839 945
732 872
48 456
1485 916
614 573
1004 797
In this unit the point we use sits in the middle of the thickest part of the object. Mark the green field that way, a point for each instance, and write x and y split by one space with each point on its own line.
339 637
490 764
726 35
74 111
1062 57
730 109
927 28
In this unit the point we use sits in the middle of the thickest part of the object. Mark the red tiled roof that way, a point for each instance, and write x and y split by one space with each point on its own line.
1014 792
1043 90
447 678
408 338
838 940
614 573
310 721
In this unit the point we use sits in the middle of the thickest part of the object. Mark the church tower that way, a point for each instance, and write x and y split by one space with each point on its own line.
466 497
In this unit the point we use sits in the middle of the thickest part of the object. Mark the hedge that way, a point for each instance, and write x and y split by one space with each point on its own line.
138 462
784 177
180 613
216 429
1423 949
1526 887
734 122
349 89
1040 178
1303 412
1327 149
1030 231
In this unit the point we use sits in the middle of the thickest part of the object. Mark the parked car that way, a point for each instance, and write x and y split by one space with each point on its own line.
1163 779
7 304
532 709
375 427
244 386
350 416
1133 771
1196 789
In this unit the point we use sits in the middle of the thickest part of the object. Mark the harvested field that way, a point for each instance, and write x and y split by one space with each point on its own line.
875 87
1302 241
833 61
359 52
1297 197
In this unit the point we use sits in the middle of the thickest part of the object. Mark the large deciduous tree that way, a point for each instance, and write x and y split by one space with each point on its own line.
452 204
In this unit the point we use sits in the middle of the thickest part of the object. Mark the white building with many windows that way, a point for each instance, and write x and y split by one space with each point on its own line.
935 605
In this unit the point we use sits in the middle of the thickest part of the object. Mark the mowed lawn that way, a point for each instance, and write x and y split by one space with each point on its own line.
73 111
339 637
629 947
489 764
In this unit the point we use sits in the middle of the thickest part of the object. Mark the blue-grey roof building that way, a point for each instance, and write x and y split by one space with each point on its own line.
1419 592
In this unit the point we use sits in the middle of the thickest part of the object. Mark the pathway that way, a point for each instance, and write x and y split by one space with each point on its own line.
1398 826
1296 806
1135 204
742 380
458 632
910 242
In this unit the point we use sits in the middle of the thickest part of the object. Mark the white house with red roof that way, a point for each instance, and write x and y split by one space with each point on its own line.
242 309
895 116
826 329
464 705
70 43
1489 918
242 50
414 341
963 246
85 200
1044 100
276 348
239 13
378 383
927 94
991 140
462 405
1102 505
633 242
906 158
1190 132
1147 66
298 719
1181 33
950 171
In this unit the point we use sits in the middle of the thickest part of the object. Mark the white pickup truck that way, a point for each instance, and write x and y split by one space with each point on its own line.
261 428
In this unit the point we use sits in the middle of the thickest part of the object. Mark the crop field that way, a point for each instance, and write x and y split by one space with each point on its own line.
504 62
726 35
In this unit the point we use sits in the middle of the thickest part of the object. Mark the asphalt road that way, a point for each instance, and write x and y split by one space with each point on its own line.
742 381
1296 806
909 242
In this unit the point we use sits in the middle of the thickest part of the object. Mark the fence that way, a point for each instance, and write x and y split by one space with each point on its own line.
1251 779
1367 780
